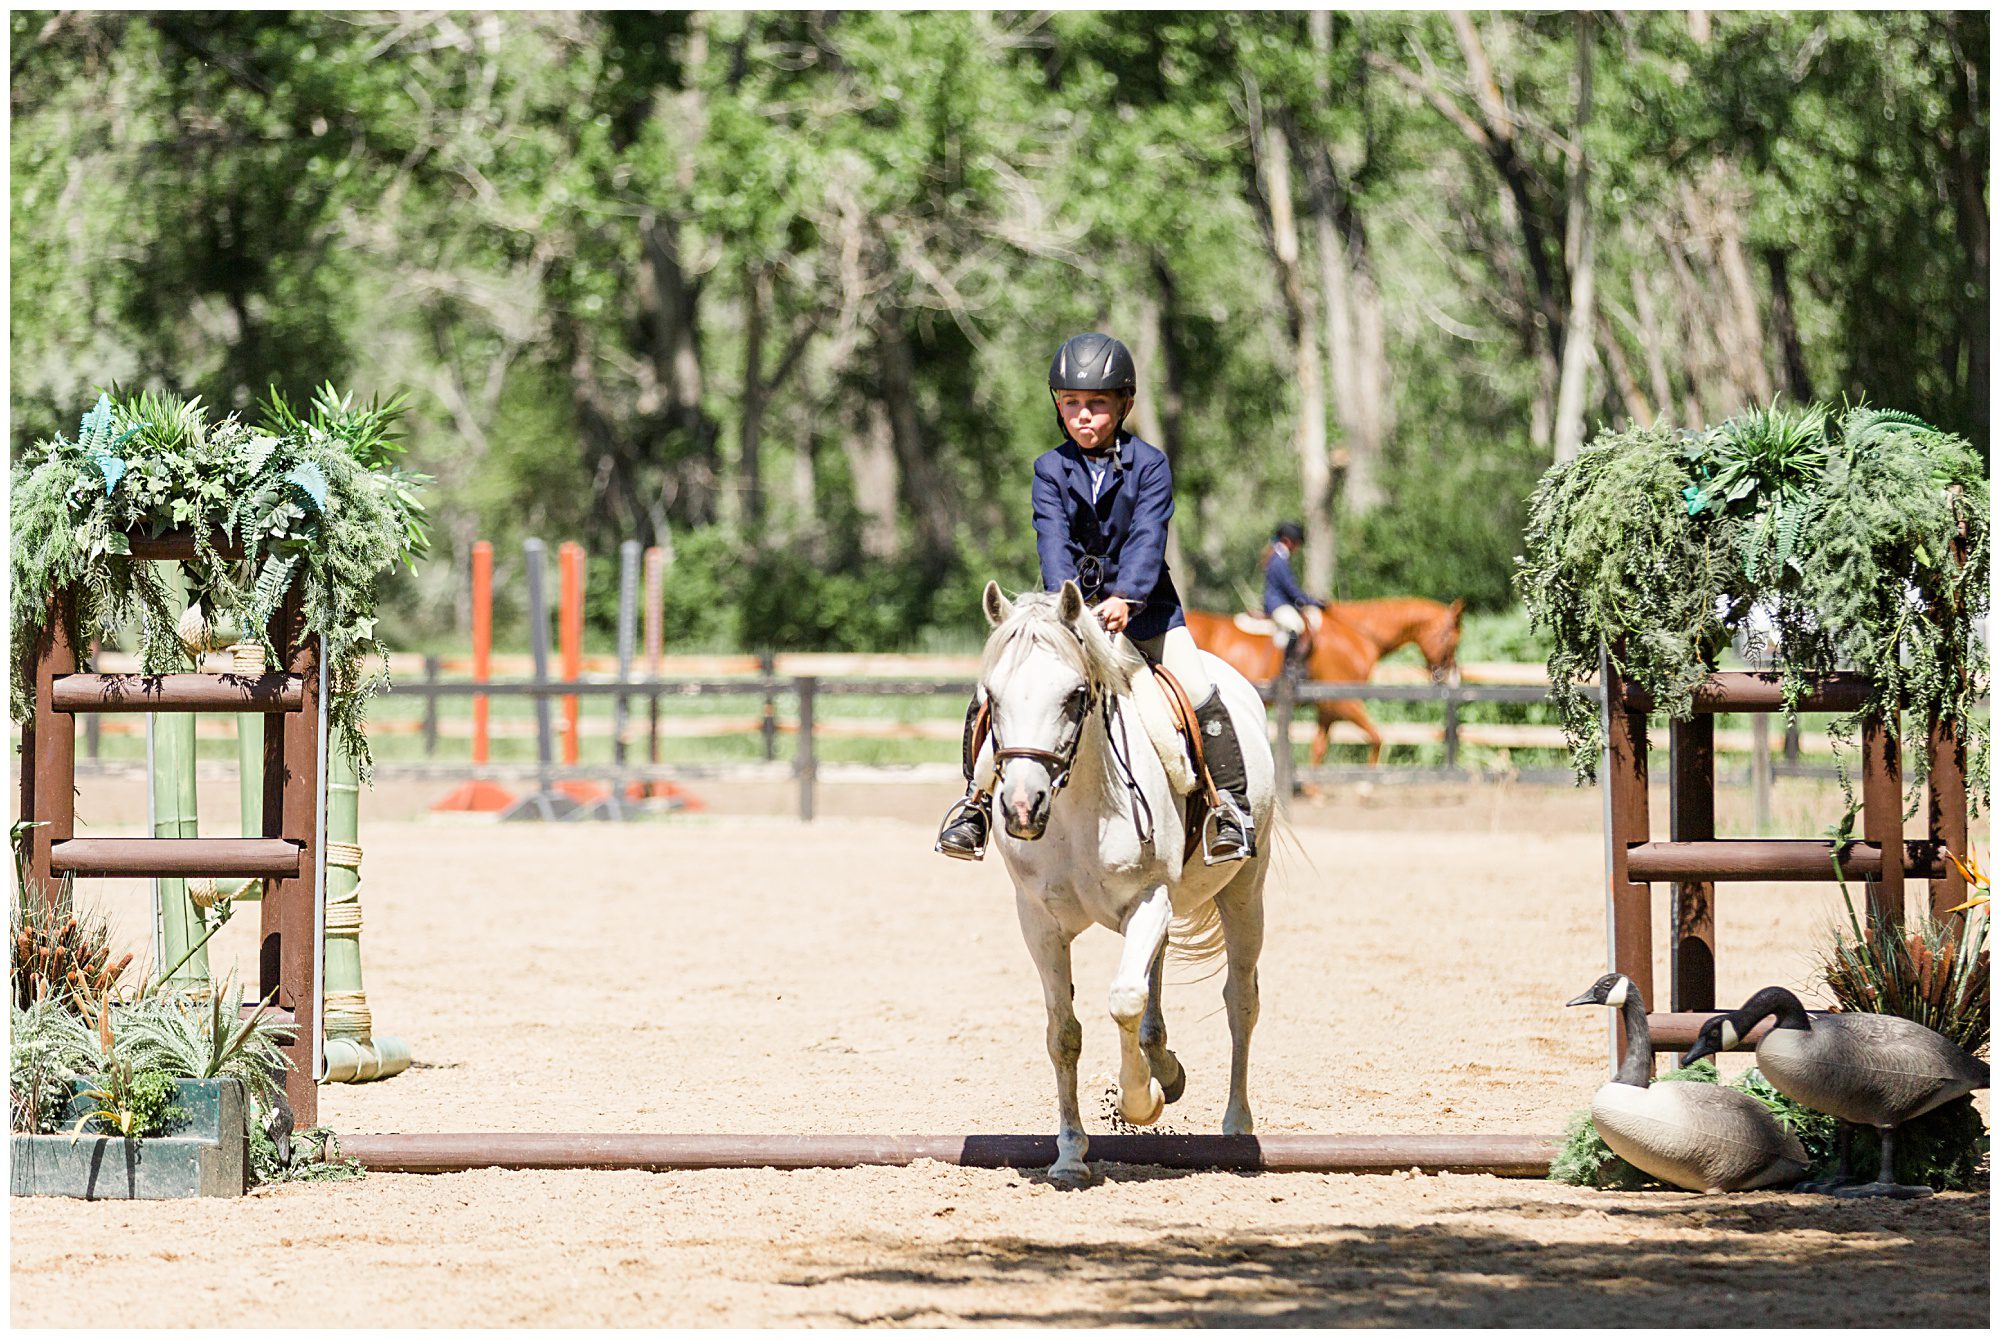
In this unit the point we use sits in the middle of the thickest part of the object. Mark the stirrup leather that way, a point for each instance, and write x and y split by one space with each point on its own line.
969 811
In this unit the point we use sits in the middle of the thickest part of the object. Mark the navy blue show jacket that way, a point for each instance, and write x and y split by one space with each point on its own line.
1281 587
1116 545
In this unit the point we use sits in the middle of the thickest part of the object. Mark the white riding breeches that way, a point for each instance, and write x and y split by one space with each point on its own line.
1175 649
1291 624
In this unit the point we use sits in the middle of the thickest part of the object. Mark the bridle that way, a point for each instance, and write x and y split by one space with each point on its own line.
1062 758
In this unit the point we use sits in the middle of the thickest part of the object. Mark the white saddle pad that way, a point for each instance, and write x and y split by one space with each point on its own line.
1157 716
1255 627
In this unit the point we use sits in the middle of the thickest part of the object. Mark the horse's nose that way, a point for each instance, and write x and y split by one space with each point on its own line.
1027 810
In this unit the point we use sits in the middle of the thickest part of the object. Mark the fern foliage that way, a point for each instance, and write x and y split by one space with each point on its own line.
313 498
1864 532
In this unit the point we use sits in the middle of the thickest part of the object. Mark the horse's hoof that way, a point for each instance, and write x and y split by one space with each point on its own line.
1174 1087
1155 1097
1238 1125
1074 1177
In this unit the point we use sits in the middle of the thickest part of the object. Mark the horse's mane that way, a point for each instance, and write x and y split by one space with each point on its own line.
1084 645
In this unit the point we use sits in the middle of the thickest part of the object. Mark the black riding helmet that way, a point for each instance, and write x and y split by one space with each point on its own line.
1289 530
1091 362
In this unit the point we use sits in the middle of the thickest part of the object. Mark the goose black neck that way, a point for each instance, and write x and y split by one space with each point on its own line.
1637 1068
1771 1002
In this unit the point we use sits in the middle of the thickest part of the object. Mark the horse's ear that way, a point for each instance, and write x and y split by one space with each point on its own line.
997 606
1070 603
1457 608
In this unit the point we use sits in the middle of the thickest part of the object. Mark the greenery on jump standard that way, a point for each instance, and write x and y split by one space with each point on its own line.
1943 1148
1864 532
313 498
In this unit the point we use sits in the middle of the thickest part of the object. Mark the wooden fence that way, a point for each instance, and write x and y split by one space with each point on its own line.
784 693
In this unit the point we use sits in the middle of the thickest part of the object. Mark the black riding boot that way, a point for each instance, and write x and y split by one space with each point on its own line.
1295 655
963 836
1231 833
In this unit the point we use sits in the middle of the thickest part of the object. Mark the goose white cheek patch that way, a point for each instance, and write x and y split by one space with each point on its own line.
1729 1036
1616 999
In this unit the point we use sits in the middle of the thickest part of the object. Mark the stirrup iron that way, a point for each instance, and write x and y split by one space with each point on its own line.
969 811
1211 832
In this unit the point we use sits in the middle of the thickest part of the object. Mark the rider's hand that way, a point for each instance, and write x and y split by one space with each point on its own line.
1114 614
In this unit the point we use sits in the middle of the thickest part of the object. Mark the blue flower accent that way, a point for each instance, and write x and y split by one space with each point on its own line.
308 480
112 468
98 419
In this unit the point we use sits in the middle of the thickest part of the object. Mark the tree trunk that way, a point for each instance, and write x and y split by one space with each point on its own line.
1630 396
871 460
1352 316
1573 388
1357 362
1149 409
1652 340
668 304
1274 153
670 301
1502 149
924 493
1784 319
750 428
1967 156
1752 371
805 481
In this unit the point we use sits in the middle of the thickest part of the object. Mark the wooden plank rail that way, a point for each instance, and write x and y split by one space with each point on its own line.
1694 862
1737 690
178 692
1792 859
175 857
1495 1155
1676 1030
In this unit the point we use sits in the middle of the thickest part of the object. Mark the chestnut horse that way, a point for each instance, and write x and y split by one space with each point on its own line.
1350 639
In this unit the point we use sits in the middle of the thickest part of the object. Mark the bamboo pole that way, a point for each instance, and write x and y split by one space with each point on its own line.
353 1053
170 805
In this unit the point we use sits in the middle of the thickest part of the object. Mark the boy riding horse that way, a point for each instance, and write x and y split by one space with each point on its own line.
1102 500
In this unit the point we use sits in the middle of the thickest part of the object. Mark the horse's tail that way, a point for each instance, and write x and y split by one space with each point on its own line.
1196 937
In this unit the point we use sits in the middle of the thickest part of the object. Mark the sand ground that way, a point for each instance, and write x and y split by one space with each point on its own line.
741 972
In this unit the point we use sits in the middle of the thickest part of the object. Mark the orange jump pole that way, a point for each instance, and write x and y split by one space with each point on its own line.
479 795
570 628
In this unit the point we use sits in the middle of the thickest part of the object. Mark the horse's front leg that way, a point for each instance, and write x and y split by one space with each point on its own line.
1153 1034
1140 1097
1048 943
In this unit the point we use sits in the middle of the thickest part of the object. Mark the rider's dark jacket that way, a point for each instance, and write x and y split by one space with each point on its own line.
1116 545
1281 587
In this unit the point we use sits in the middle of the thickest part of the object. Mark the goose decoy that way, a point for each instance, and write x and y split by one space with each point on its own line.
1863 1069
1699 1136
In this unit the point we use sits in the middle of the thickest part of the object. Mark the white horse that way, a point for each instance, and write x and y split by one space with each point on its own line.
1093 833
